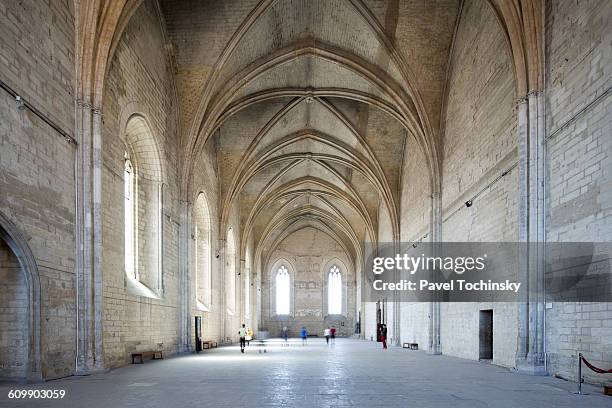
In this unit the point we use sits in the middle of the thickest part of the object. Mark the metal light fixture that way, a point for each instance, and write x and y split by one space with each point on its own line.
19 102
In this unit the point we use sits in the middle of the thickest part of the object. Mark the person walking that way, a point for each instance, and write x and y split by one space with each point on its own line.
242 333
383 336
304 335
326 333
249 336
332 333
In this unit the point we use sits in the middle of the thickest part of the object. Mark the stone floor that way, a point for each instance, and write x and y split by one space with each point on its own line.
351 373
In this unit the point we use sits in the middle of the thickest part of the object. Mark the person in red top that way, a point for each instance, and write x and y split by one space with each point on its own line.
332 333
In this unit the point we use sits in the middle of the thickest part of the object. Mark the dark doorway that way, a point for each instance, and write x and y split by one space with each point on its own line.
198 333
485 334
14 330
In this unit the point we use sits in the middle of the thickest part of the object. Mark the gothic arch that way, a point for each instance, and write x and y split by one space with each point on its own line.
18 243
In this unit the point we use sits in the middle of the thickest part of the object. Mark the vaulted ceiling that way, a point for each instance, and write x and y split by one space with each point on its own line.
308 104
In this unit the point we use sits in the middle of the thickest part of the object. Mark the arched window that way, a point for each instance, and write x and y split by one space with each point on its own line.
230 273
129 209
283 291
202 252
334 291
143 207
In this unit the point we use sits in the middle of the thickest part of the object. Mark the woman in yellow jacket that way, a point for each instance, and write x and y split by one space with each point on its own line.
249 335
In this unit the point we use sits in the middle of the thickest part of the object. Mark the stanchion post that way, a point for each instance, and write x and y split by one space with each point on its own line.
579 392
580 373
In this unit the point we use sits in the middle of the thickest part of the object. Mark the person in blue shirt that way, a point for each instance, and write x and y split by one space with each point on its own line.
304 334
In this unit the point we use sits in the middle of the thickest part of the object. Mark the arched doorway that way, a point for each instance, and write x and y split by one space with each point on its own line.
19 307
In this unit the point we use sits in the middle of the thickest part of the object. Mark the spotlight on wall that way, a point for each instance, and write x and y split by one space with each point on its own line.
19 102
468 203
217 254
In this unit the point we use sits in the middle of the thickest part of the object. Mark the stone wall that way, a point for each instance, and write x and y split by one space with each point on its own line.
308 254
37 164
140 82
205 180
579 159
414 226
479 145
14 333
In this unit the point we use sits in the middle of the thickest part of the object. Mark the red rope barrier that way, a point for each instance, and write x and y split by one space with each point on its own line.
596 369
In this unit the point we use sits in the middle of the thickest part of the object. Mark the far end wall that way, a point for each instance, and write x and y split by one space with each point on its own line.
308 254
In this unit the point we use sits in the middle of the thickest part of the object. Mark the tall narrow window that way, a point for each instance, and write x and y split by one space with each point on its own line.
129 208
283 290
143 207
334 291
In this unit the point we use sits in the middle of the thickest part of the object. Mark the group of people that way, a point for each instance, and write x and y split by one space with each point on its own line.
303 335
246 335
330 333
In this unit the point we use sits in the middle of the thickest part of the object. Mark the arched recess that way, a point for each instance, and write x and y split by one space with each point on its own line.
144 212
17 243
344 273
202 243
272 270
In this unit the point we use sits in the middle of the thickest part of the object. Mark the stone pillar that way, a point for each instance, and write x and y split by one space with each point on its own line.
98 284
240 293
396 297
530 355
184 277
89 353
435 234
257 292
223 306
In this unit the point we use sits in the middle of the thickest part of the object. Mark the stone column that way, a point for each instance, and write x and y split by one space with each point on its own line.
184 277
257 291
82 263
98 284
240 293
223 303
396 297
531 133
90 357
435 234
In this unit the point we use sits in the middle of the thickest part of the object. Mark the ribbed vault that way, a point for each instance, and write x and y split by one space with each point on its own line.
307 105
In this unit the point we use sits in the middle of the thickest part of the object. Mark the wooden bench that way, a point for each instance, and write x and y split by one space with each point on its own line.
208 344
141 355
411 346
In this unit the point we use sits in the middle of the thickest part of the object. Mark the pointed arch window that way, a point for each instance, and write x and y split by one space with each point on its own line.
283 291
143 199
334 291
129 215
